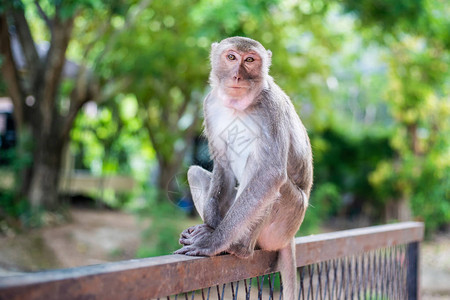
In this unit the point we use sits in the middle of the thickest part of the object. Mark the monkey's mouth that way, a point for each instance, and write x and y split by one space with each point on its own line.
237 87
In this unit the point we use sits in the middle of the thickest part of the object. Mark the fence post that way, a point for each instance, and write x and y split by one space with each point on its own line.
412 272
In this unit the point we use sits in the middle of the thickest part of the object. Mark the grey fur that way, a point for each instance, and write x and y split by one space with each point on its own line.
271 164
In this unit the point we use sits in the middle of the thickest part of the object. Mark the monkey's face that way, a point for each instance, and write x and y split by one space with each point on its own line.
239 72
240 68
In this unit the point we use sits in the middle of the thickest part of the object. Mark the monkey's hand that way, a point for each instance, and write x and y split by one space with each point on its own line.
197 241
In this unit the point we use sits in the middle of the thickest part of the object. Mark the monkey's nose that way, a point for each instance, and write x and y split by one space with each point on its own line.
236 78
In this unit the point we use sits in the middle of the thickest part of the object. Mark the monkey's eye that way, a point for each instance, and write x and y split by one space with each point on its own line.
231 57
249 59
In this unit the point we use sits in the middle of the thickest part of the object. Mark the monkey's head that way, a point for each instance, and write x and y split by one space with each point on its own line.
239 68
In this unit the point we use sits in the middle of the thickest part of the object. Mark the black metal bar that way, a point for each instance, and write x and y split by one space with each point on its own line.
319 283
311 286
357 284
342 279
271 285
260 286
364 277
281 285
383 272
218 292
223 290
370 274
412 273
377 273
302 278
247 292
232 292
335 269
391 270
351 280
396 274
327 281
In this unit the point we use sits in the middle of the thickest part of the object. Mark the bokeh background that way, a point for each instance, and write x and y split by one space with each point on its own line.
101 114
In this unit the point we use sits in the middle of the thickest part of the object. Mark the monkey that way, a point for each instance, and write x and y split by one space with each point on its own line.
258 191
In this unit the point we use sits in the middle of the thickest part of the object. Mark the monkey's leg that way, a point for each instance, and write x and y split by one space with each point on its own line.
287 216
245 247
210 209
199 183
275 231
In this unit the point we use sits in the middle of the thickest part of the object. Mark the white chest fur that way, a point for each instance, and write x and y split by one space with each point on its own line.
236 136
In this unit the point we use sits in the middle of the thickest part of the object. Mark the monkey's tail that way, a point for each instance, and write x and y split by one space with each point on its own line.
288 270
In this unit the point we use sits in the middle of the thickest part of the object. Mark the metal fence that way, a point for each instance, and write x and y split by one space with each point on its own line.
379 274
379 262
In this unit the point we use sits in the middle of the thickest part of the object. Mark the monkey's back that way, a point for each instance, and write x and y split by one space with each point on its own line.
300 161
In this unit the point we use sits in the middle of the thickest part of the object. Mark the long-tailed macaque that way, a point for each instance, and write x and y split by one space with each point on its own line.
258 191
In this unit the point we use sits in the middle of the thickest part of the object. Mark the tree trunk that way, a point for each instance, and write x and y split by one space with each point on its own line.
398 210
42 130
39 122
46 172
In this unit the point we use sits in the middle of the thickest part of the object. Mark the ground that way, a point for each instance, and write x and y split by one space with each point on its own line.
94 237
435 268
91 237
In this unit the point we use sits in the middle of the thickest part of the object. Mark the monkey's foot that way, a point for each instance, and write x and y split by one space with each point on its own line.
241 251
204 243
189 235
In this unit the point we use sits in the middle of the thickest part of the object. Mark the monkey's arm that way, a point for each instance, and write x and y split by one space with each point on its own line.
251 207
220 196
221 189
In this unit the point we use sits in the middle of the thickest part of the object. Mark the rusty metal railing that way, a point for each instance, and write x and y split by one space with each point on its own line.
379 262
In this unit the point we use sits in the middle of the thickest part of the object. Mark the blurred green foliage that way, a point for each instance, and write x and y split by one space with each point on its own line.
367 77
167 221
370 80
12 207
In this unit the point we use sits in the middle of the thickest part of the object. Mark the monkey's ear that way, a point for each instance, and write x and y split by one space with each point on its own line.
214 45
269 53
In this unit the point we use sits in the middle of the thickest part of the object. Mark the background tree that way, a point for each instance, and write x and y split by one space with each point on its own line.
164 57
371 86
167 74
417 96
46 103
